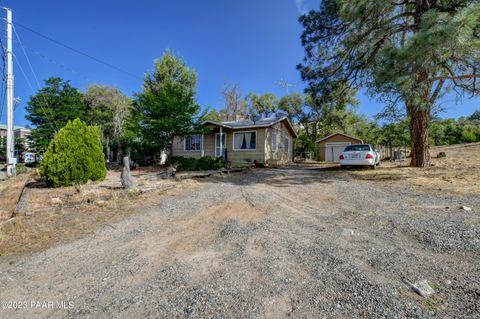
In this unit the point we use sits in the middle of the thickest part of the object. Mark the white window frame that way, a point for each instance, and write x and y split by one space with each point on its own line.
244 150
185 143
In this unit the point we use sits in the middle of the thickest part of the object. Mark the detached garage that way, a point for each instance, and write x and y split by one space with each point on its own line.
330 147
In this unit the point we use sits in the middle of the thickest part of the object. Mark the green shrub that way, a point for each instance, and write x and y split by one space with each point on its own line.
20 168
74 156
201 164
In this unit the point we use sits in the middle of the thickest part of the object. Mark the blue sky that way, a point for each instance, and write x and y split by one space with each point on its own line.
252 43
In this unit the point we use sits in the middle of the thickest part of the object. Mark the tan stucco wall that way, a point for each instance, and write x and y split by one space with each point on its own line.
336 138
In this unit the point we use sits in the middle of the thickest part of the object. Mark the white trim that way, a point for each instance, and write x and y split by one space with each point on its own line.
249 149
185 143
333 144
215 144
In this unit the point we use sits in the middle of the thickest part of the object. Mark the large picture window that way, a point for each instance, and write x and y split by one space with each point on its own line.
193 143
245 141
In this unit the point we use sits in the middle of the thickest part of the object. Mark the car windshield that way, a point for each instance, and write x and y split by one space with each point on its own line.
351 148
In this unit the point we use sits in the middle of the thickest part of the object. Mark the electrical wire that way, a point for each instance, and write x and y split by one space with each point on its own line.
34 74
78 51
57 63
33 91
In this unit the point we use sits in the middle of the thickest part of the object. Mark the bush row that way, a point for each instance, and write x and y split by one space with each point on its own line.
200 164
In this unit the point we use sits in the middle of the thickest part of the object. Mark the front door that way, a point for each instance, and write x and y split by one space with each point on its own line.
220 151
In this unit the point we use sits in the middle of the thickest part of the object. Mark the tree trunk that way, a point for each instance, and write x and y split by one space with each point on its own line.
119 153
419 134
125 177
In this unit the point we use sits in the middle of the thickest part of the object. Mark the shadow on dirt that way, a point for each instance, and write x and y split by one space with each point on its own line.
283 177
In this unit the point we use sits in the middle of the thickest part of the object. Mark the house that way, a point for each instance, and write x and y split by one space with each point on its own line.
268 141
330 147
18 131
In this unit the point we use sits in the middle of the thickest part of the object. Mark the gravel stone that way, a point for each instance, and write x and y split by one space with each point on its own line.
266 243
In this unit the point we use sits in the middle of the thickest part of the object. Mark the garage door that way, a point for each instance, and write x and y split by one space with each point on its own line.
333 151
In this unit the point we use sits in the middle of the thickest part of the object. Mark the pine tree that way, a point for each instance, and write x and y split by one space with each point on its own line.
409 53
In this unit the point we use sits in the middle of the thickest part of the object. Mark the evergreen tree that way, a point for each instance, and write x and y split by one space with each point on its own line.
408 52
51 108
167 107
74 156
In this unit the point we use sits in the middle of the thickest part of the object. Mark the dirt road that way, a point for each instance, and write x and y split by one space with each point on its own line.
302 243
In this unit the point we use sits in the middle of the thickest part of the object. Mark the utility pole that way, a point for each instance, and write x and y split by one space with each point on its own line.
11 160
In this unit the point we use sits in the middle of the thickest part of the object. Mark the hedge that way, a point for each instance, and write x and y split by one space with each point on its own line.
201 164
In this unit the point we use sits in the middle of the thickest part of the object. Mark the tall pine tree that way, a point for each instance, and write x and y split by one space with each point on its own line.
409 52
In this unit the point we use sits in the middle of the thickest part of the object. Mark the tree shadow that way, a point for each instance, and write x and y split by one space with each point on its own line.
38 183
282 177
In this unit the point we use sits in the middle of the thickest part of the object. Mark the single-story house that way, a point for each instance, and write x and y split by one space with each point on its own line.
330 147
268 141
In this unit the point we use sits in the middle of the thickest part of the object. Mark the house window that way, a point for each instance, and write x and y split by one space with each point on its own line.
193 143
245 141
274 142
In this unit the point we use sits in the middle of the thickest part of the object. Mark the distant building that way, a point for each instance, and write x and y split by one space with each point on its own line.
18 131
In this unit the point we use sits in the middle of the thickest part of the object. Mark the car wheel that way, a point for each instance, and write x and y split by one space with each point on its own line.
342 166
374 166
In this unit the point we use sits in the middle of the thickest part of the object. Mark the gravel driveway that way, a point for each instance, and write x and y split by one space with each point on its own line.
302 243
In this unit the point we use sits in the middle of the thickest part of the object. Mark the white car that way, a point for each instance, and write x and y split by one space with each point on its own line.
360 155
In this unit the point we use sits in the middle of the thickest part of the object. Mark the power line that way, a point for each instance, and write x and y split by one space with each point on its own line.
57 63
26 56
78 51
33 91
52 120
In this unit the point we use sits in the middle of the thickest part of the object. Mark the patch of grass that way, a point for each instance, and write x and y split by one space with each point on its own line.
18 224
436 286
21 168
431 304
384 176
134 193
